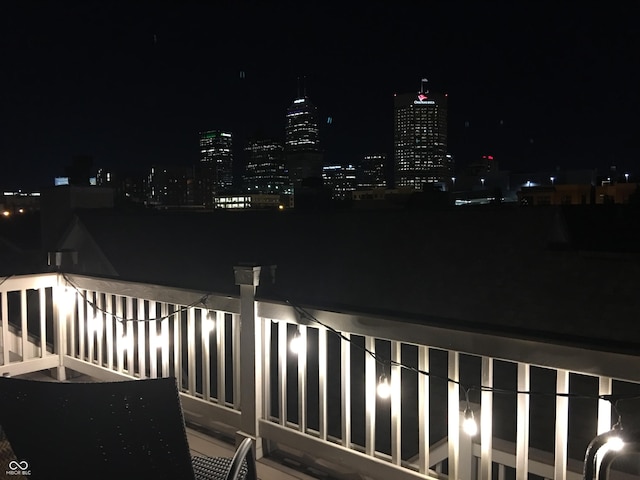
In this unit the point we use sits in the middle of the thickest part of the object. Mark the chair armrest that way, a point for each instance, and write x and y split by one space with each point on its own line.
243 452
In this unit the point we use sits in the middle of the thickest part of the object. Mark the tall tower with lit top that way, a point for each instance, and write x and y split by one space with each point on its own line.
303 154
420 139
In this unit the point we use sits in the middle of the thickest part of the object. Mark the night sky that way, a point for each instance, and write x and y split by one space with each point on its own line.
538 85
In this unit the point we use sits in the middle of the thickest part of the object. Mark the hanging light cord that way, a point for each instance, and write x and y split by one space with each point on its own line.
304 314
202 301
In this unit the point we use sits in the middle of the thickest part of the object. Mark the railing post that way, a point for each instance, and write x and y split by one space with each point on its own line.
251 342
62 311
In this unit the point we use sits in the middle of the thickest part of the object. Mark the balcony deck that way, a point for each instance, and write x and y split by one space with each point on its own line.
539 402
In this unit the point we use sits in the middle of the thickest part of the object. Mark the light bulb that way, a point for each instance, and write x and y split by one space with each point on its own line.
614 443
383 389
157 342
95 325
209 323
469 425
296 345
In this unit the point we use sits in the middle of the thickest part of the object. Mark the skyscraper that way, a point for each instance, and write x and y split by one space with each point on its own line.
265 170
216 164
420 139
303 154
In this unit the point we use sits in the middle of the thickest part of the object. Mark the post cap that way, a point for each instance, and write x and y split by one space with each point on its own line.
247 274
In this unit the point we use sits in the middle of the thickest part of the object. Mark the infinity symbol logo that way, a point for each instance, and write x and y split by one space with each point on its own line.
23 465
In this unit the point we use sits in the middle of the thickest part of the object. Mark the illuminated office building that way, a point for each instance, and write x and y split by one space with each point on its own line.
216 164
303 155
341 179
265 170
170 185
420 140
371 172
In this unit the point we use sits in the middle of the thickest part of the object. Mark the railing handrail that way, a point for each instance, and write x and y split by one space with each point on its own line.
620 366
597 362
159 293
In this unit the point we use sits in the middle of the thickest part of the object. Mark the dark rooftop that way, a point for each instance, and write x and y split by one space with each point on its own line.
556 272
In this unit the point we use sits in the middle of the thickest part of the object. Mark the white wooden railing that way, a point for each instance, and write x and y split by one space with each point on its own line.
238 376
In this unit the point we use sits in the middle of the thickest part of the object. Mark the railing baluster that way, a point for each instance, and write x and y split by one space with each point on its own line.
205 334
121 342
236 363
164 329
90 325
221 357
522 432
605 386
345 385
282 371
142 339
69 313
82 325
486 420
42 302
562 425
177 344
23 324
322 382
423 410
370 396
453 405
191 350
98 326
131 368
266 367
396 389
154 342
302 380
109 330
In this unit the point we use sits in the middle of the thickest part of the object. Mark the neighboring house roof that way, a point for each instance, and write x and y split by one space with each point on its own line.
20 246
513 268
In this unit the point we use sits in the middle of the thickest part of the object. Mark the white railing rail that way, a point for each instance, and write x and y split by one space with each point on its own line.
232 361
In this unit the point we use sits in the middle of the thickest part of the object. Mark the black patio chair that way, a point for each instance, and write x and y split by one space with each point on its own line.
106 430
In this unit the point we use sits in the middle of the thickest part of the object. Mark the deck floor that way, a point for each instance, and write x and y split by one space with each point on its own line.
268 469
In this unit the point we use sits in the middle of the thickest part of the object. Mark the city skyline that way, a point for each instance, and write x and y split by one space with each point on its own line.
133 86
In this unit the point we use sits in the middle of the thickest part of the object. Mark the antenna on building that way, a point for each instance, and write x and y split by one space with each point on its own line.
298 88
304 86
422 83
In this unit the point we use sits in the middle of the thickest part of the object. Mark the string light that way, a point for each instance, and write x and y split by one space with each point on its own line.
296 345
72 293
384 388
209 323
602 447
469 425
95 325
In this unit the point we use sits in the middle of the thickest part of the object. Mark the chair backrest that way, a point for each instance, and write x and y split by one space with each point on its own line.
129 429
